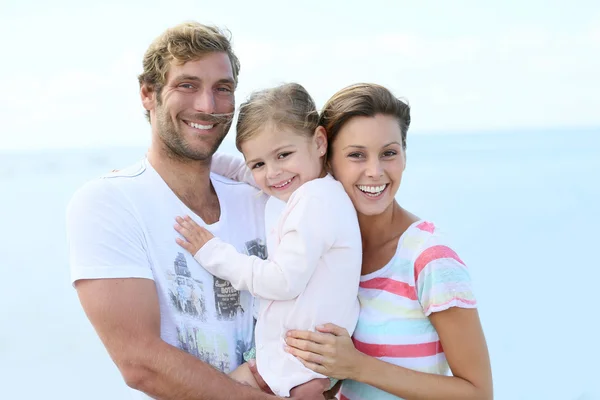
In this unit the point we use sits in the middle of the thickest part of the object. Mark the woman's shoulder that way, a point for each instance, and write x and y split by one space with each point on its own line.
421 236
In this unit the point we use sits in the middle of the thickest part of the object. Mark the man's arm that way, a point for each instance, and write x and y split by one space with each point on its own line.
125 314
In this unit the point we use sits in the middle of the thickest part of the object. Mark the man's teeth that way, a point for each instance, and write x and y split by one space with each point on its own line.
373 190
283 184
198 126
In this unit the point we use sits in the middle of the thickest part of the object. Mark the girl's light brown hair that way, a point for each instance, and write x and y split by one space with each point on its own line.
362 100
285 106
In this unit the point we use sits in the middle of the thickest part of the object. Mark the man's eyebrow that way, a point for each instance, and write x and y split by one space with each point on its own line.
227 80
186 77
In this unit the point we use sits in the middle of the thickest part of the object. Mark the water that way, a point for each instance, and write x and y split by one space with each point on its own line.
519 206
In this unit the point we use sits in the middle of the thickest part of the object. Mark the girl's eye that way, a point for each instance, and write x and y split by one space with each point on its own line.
258 165
283 155
389 153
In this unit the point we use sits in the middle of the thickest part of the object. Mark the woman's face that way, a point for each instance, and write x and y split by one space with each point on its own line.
368 159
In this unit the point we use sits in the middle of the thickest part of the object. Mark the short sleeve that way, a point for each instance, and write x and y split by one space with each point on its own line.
442 279
104 235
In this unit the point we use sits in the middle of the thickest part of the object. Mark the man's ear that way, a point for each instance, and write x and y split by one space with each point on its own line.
148 96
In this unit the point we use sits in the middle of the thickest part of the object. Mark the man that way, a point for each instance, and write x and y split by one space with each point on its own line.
170 326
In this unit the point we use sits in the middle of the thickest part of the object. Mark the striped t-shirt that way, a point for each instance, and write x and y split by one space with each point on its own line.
424 276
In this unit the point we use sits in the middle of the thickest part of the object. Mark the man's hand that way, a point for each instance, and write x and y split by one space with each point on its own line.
195 235
312 390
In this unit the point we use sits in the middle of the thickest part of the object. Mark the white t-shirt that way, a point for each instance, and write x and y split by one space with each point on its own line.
311 276
121 226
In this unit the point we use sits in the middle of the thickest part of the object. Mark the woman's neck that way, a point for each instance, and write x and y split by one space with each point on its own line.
377 230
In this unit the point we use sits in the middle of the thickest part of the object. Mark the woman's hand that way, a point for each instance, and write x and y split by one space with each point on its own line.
195 235
329 352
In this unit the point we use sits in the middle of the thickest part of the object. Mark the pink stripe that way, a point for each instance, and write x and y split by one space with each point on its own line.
426 226
434 253
469 302
342 397
389 285
399 350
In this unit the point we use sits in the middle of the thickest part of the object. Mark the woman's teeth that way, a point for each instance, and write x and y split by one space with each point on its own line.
372 190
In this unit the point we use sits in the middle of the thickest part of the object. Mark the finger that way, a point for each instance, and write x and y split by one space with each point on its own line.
305 345
259 380
186 233
316 337
333 329
186 245
313 367
305 355
188 220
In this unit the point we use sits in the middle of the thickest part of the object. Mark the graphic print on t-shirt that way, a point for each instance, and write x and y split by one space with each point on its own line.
227 298
186 293
205 345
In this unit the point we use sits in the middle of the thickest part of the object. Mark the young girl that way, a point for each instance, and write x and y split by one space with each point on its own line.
312 272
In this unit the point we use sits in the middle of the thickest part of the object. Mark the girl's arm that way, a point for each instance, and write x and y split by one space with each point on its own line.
332 353
232 167
304 239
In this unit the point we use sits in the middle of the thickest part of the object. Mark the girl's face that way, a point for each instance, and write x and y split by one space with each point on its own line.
282 160
368 159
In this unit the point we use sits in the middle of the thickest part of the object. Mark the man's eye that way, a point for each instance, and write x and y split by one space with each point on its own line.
186 86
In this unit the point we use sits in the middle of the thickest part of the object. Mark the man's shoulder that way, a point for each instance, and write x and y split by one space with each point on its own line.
107 188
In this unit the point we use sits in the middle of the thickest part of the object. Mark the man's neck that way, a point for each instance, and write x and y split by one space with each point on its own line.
189 180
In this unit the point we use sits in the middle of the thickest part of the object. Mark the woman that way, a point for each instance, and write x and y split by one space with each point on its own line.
418 318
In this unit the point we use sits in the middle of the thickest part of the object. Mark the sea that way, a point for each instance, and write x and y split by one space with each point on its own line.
521 207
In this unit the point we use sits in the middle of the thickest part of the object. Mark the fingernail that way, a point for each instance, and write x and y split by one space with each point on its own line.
251 363
286 349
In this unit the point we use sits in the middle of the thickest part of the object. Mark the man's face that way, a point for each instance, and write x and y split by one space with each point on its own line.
193 112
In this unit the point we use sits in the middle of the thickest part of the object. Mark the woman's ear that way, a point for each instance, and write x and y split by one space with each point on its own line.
320 138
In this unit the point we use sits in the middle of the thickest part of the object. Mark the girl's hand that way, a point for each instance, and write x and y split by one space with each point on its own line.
195 235
329 352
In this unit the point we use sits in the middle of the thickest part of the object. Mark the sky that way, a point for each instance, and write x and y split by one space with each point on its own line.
69 68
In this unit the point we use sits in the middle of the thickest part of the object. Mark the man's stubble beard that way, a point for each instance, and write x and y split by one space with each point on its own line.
177 148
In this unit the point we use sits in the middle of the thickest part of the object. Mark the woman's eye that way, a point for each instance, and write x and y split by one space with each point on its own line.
355 155
389 153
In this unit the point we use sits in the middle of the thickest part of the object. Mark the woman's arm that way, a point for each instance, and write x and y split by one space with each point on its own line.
332 353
